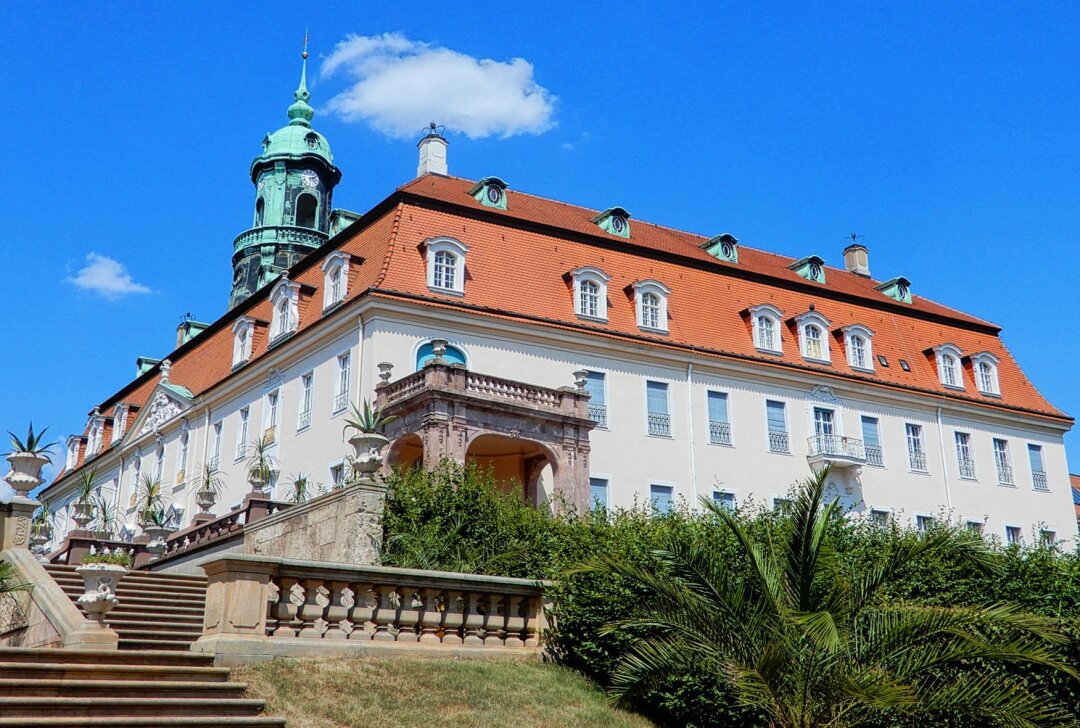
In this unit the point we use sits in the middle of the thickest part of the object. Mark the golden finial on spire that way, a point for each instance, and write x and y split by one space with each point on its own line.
306 36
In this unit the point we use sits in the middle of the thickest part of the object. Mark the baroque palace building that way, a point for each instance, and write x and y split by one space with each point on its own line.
581 354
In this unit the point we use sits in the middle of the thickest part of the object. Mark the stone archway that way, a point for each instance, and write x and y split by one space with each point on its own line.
405 452
516 464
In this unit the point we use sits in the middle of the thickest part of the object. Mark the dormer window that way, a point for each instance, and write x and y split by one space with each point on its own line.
95 426
72 452
985 366
860 349
614 220
811 268
490 192
650 303
243 332
590 293
724 247
948 364
285 300
446 266
765 325
814 337
119 422
898 289
335 278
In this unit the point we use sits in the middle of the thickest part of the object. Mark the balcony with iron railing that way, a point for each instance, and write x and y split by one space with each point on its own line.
341 402
1005 474
779 442
917 461
279 234
719 433
1038 480
835 449
598 414
659 424
304 420
967 469
875 455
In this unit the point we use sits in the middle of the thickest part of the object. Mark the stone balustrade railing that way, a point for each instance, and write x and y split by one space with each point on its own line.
508 389
282 606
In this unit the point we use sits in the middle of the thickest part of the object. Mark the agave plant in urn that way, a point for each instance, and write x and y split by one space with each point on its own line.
367 442
27 457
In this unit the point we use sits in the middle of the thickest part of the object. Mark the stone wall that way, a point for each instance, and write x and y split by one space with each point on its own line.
344 526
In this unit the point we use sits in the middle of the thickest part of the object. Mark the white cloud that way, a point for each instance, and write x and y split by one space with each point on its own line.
400 85
107 277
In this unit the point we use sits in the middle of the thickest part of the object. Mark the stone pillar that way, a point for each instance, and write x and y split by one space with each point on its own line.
236 598
15 518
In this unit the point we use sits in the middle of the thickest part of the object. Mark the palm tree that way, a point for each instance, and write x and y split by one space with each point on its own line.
809 644
9 581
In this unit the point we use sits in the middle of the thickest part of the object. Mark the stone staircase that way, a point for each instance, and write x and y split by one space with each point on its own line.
156 611
54 687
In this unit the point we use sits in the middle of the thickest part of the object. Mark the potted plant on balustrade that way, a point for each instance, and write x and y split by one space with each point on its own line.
302 490
367 443
101 571
209 485
85 506
41 528
261 464
158 530
27 457
105 520
149 498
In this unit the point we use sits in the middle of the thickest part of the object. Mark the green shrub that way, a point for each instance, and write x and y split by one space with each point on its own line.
117 558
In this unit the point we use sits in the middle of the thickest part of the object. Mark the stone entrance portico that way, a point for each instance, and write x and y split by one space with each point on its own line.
517 429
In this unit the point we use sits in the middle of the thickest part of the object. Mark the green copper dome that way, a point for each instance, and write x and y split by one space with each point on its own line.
298 139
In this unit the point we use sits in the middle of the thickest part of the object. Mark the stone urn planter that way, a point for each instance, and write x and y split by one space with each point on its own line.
82 513
158 540
205 498
25 474
99 594
40 535
368 447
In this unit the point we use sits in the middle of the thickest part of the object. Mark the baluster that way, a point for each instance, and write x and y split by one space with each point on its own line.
383 614
530 612
453 618
514 622
495 621
285 609
431 617
362 614
337 612
476 608
408 615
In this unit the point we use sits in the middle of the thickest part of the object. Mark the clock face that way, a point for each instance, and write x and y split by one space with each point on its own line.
309 179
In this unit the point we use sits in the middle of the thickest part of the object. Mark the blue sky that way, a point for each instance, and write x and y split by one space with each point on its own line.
947 137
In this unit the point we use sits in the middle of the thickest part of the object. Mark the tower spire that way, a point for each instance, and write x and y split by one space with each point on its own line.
301 113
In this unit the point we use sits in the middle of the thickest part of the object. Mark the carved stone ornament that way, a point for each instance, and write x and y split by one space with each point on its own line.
822 393
162 409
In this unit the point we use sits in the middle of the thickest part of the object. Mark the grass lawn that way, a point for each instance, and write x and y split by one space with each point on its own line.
345 692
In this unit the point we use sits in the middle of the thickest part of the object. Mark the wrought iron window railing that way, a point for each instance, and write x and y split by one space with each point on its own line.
341 401
304 420
1038 479
779 442
659 424
917 461
598 413
967 469
1005 474
875 455
720 433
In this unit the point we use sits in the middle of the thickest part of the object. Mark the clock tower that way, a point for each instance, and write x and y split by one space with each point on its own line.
294 181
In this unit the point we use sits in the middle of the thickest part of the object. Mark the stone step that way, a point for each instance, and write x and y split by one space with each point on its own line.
126 608
129 592
153 626
163 618
69 570
150 644
55 656
155 603
188 722
19 687
146 631
135 671
128 707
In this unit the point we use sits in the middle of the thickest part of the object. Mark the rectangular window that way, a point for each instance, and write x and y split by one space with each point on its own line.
872 441
273 401
916 453
337 475
719 426
975 528
303 419
923 523
1047 538
598 493
215 461
341 392
964 459
660 495
1001 460
823 422
783 505
242 433
776 415
1038 472
596 386
1014 535
725 500
657 400
880 518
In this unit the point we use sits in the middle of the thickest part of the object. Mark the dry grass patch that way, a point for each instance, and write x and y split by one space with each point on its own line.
346 692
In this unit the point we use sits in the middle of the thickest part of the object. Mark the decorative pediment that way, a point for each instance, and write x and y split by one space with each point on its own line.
166 402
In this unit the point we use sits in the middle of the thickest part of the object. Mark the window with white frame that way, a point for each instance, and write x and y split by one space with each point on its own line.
659 416
273 407
725 500
598 493
916 452
776 421
964 459
242 433
650 303
590 292
985 366
814 336
596 386
1001 460
337 474
719 424
975 528
72 452
303 418
119 422
923 523
1014 536
445 265
948 364
285 302
880 518
96 427
1038 470
875 455
243 332
860 348
215 460
335 269
765 325
341 389
660 496
1047 538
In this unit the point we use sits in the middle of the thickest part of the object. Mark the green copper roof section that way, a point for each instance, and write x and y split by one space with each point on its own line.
301 113
179 390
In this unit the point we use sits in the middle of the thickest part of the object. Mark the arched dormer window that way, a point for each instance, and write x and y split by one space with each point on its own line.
650 304
72 452
446 265
426 352
590 293
260 208
335 278
96 425
814 337
948 365
285 301
243 332
307 209
765 325
119 422
985 366
859 346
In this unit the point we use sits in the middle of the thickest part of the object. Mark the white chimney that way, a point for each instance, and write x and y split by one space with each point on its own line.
857 259
432 153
